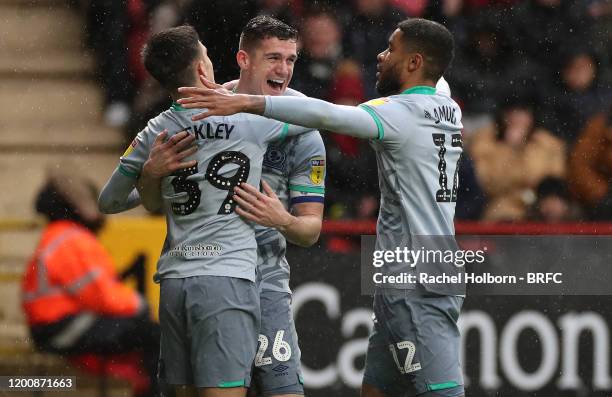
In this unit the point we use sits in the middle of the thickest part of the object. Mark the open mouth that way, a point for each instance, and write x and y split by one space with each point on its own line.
276 84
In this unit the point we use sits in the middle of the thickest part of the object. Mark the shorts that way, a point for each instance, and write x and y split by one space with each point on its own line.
209 327
277 364
415 345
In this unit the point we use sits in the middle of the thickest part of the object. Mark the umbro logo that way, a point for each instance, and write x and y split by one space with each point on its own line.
280 368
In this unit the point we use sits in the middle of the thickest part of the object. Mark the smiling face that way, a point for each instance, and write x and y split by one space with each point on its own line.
267 69
389 67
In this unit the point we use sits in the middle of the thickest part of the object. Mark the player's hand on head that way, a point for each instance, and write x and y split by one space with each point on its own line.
167 155
264 209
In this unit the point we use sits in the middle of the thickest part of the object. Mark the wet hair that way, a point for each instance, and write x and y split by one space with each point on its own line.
263 27
433 41
169 55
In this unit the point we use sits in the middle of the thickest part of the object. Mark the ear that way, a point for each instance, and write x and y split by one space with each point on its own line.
242 57
202 69
415 62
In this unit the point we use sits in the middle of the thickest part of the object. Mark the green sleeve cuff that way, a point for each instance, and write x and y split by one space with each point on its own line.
284 132
126 172
307 189
379 125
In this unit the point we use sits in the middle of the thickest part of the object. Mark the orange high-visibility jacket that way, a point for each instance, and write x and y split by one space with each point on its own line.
71 273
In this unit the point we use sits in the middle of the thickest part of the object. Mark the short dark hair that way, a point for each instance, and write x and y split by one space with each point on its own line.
168 56
263 27
433 41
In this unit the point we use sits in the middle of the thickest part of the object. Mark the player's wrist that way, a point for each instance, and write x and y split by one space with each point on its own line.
149 171
255 104
286 222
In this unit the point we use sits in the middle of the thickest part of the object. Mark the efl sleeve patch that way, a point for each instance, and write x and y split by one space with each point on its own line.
317 170
130 148
376 102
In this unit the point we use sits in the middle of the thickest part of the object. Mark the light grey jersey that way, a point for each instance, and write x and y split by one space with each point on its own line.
418 150
204 234
295 169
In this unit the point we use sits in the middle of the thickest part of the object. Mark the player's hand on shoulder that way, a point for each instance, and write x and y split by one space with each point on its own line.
264 209
167 156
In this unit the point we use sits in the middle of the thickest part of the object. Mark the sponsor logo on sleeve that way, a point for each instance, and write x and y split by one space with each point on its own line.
317 170
377 102
130 148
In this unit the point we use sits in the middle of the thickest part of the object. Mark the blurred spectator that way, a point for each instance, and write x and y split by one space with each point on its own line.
512 157
116 31
553 203
367 34
484 67
590 167
73 299
319 55
542 29
577 97
412 8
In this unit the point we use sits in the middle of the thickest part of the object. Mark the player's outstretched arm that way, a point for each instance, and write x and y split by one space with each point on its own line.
307 112
302 228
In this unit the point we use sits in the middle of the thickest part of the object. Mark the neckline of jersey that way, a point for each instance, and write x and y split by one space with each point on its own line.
177 107
420 89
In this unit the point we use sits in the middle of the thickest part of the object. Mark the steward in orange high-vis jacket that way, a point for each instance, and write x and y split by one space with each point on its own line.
74 301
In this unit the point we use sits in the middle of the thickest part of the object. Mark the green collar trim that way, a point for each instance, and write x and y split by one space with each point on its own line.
420 89
177 107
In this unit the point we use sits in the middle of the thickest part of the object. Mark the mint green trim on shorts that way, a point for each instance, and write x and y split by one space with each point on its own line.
307 189
236 383
442 386
379 125
127 172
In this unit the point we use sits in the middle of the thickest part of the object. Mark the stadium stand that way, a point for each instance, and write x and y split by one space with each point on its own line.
50 109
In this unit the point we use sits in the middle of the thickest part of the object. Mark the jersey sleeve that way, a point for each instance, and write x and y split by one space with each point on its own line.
134 157
390 118
277 131
307 178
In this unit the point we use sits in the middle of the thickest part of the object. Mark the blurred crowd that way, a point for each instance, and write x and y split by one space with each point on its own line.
533 78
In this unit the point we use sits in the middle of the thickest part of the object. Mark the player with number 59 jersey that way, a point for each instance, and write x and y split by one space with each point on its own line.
204 234
209 307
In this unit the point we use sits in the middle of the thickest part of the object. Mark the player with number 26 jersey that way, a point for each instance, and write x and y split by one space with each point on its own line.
204 234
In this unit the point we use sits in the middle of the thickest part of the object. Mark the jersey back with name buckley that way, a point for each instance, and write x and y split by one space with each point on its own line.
418 151
204 234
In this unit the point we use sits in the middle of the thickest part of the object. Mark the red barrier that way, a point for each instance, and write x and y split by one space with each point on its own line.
480 228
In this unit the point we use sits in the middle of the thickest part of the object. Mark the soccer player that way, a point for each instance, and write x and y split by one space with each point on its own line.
209 302
294 177
416 134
